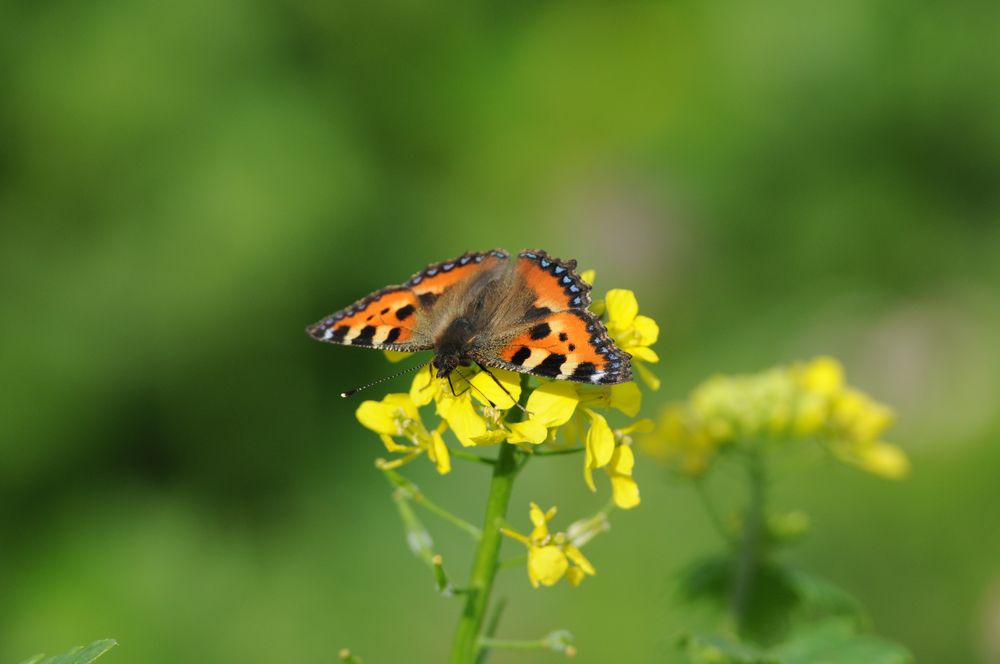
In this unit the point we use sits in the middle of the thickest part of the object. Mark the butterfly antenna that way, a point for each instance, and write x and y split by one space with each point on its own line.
469 383
382 380
506 391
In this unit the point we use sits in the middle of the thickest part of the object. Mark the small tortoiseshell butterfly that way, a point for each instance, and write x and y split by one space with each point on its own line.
529 315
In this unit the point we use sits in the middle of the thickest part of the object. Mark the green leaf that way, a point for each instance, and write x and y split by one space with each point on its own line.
771 603
781 598
78 655
821 598
837 642
716 649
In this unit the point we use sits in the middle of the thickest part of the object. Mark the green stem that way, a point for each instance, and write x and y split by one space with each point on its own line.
484 566
711 511
454 520
413 492
469 456
491 629
571 450
516 561
504 644
750 546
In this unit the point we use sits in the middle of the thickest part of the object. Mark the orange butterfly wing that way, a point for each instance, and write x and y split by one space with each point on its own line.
389 319
561 338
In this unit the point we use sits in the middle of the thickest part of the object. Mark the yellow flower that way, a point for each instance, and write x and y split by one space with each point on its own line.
475 409
624 490
396 416
806 400
883 459
551 556
549 407
634 333
680 440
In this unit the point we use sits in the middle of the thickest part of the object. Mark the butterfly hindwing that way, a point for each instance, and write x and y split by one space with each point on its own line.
567 345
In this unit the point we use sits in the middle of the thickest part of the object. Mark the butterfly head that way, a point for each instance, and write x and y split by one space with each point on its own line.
453 346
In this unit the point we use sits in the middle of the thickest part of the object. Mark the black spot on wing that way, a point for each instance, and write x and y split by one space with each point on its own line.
520 356
340 332
563 337
550 366
584 371
540 331
393 335
405 312
366 336
427 299
537 312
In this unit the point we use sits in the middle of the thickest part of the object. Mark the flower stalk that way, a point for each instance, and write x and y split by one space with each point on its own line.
751 540
484 566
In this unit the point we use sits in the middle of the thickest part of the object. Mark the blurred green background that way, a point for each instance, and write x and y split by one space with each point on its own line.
185 185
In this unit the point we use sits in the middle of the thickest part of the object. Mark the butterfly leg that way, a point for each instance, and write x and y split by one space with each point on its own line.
470 386
458 394
430 380
506 391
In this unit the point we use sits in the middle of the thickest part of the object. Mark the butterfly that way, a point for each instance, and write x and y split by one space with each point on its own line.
528 315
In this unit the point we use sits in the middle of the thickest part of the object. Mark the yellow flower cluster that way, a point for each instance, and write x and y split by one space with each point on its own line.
552 556
800 401
476 405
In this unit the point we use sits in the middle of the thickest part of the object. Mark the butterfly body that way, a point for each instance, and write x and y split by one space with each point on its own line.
528 315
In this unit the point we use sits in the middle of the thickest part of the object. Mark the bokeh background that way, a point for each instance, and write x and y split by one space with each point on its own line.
185 185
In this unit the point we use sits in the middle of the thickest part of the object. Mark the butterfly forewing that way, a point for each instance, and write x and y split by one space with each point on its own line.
385 319
401 317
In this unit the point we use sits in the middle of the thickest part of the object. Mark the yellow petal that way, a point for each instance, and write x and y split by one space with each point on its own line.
579 559
588 467
491 437
528 431
643 354
647 376
646 330
536 514
810 414
600 440
394 355
575 576
462 418
588 473
438 452
588 276
402 404
626 397
484 387
378 417
622 307
823 375
644 425
885 460
622 461
624 491
391 445
422 389
546 564
552 403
